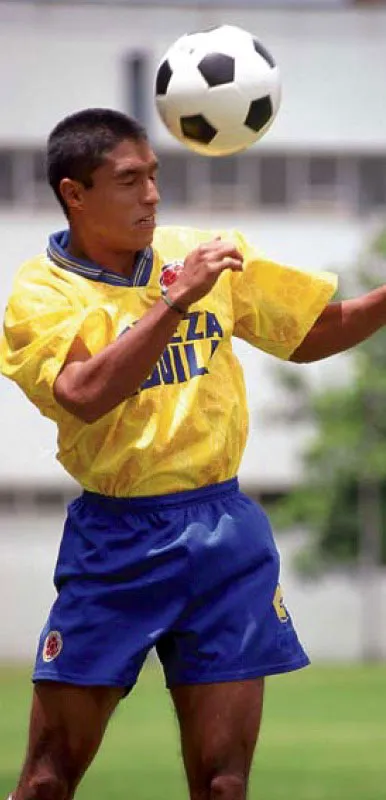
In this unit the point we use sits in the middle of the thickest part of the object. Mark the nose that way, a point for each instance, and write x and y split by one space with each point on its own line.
151 193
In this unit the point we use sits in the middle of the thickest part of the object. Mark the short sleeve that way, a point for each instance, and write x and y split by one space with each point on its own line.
274 305
39 327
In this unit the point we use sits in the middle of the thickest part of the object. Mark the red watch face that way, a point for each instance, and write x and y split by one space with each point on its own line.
169 273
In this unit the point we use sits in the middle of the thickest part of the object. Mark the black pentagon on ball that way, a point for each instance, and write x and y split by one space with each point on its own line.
260 112
262 51
217 69
164 75
198 128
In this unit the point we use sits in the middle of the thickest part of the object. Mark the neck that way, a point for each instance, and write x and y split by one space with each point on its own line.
116 261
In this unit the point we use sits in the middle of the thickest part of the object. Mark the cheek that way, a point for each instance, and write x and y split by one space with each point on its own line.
105 210
111 213
96 205
120 204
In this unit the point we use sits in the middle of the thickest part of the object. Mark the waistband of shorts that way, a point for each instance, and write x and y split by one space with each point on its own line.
174 499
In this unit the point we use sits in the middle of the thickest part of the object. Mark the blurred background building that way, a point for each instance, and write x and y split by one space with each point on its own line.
310 194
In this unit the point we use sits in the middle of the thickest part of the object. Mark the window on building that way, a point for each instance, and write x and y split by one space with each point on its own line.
224 182
223 171
6 182
173 179
39 166
372 183
35 501
348 183
43 194
273 181
317 181
136 86
23 177
219 183
322 171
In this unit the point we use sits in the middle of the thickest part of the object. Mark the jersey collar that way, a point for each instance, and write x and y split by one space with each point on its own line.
57 252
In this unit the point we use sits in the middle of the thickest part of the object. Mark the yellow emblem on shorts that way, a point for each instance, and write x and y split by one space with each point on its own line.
278 604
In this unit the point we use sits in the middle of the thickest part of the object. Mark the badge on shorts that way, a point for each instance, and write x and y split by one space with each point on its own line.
169 273
278 604
53 646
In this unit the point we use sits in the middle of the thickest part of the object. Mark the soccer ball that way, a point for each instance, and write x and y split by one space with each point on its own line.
218 91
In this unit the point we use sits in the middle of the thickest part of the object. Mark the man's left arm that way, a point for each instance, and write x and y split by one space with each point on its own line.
343 325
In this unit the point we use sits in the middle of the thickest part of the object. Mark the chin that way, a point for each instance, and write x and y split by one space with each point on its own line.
144 239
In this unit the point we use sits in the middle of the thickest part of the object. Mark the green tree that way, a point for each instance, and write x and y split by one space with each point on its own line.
342 497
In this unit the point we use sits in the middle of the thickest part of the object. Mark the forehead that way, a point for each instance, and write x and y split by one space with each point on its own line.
131 156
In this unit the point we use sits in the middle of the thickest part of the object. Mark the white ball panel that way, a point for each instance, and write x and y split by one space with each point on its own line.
224 106
275 89
262 89
186 44
175 111
250 71
169 116
187 90
269 84
202 149
229 39
226 39
181 60
228 142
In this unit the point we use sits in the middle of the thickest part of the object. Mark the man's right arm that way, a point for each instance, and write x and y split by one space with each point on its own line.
91 386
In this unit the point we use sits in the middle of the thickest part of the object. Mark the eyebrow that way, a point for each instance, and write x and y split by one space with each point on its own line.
130 172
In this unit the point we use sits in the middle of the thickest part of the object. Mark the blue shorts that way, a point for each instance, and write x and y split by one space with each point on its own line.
194 574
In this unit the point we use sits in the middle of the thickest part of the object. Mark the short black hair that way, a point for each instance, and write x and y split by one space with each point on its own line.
79 143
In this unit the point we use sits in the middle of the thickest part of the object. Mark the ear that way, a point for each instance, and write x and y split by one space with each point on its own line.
72 193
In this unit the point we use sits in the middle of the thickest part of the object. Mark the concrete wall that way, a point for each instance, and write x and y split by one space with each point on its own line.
333 64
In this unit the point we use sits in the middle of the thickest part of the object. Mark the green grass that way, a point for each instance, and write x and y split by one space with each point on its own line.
323 738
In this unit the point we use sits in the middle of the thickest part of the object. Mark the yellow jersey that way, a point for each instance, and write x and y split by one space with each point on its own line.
187 425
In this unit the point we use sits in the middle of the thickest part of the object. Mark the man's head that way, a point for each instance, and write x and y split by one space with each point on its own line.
103 172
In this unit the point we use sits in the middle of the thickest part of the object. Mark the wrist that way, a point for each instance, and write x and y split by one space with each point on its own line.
176 306
175 296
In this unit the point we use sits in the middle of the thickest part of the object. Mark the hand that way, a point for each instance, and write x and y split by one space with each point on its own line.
202 268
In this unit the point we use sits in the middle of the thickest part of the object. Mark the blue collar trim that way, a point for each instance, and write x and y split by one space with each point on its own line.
57 252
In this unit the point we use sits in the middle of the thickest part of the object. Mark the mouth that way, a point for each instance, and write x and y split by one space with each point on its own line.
146 222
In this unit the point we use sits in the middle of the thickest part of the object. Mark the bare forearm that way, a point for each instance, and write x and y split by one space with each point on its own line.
343 325
91 388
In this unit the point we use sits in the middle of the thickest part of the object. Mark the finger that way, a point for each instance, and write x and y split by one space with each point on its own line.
213 241
221 244
228 262
230 249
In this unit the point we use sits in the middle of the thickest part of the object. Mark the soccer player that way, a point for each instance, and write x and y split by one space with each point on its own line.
121 333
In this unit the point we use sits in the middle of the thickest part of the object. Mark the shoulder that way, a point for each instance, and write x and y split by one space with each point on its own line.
36 272
37 285
32 268
27 280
